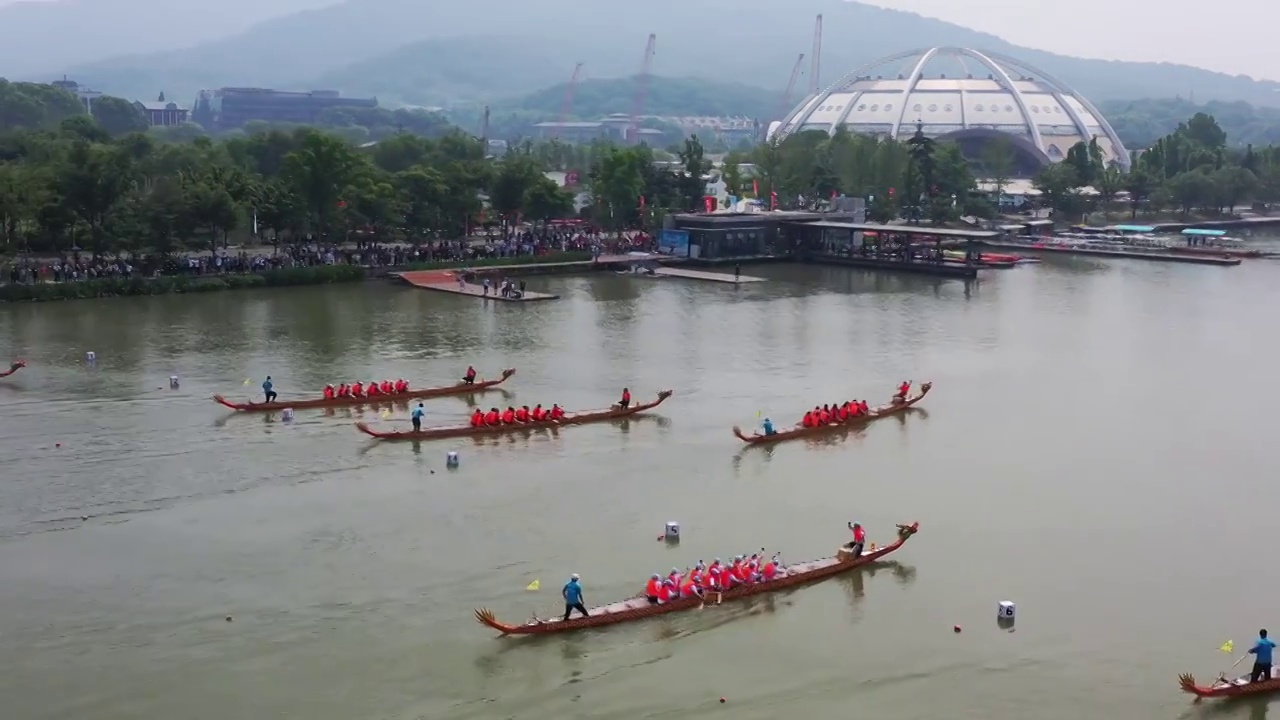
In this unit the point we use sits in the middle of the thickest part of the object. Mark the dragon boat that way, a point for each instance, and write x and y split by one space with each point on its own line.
1225 687
461 388
14 367
574 418
875 413
639 608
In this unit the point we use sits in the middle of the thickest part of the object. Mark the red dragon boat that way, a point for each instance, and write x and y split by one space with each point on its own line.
459 389
574 418
638 608
1225 687
14 367
876 413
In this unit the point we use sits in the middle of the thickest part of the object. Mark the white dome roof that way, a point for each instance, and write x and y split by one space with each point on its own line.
962 94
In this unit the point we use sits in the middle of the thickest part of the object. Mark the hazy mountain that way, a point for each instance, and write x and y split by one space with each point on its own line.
436 53
43 37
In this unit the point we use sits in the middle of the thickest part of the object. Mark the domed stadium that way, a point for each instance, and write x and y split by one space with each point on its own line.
963 96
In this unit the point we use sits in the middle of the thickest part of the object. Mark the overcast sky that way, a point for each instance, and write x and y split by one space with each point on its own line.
1229 36
1226 35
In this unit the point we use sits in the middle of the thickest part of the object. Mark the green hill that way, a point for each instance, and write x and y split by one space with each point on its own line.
665 96
446 53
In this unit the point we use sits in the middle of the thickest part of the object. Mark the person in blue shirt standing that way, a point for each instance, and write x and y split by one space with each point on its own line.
572 593
416 417
1261 652
268 391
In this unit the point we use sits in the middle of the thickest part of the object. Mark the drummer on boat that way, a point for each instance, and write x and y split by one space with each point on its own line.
903 389
859 538
470 377
625 402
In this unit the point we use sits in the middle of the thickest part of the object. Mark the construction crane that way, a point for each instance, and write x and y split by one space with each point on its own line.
816 59
791 85
567 105
642 90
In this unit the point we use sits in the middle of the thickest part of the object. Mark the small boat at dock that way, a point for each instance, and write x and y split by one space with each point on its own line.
639 608
461 388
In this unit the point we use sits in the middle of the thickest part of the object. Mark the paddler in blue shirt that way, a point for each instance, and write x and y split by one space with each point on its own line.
1261 652
267 391
416 417
767 426
572 593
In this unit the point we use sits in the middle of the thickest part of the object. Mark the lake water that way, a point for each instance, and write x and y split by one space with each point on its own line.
1098 448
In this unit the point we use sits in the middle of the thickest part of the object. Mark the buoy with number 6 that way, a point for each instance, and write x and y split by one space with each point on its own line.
1006 611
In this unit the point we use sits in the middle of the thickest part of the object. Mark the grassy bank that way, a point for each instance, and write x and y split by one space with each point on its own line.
556 257
119 287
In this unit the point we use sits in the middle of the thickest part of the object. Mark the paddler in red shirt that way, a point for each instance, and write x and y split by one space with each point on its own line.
357 389
824 416
689 588
771 568
903 389
842 413
557 412
653 589
667 592
808 420
343 390
329 392
537 414
387 388
625 402
470 377
493 417
373 390
509 416
862 408
477 418
522 415
859 538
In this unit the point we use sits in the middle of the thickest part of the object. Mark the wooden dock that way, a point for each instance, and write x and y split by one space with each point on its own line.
450 281
687 274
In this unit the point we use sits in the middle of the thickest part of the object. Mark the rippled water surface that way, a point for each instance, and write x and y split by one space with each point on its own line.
1098 447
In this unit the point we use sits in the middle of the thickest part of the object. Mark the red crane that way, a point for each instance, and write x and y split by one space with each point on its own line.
567 105
642 90
791 85
816 60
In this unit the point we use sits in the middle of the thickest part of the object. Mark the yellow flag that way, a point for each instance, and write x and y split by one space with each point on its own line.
386 414
533 585
1227 647
247 381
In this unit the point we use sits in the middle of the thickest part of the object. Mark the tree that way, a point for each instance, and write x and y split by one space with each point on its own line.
92 181
511 182
692 180
1189 190
318 171
1204 131
544 200
998 164
617 183
424 191
1139 184
118 116
1060 188
1109 183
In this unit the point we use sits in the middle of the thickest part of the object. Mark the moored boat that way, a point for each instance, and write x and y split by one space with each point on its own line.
1225 687
800 431
639 608
574 418
14 367
460 388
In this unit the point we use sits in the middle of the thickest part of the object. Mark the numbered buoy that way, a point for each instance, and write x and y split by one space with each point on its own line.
1006 611
91 357
173 382
286 414
451 459
672 533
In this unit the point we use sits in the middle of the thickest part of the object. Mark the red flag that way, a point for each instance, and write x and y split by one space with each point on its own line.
710 203
773 201
342 203
833 194
755 188
641 202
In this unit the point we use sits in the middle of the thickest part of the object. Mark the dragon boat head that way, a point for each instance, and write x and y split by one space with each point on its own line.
926 387
508 373
664 394
906 531
17 364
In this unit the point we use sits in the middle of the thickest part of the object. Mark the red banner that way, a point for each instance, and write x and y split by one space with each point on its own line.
773 201
710 203
641 202
755 188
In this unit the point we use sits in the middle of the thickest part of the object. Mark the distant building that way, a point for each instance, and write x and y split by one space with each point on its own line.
162 114
230 108
86 95
609 128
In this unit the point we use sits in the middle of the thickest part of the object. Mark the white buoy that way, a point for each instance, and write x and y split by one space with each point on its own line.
1006 611
173 382
673 532
451 459
286 414
90 357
